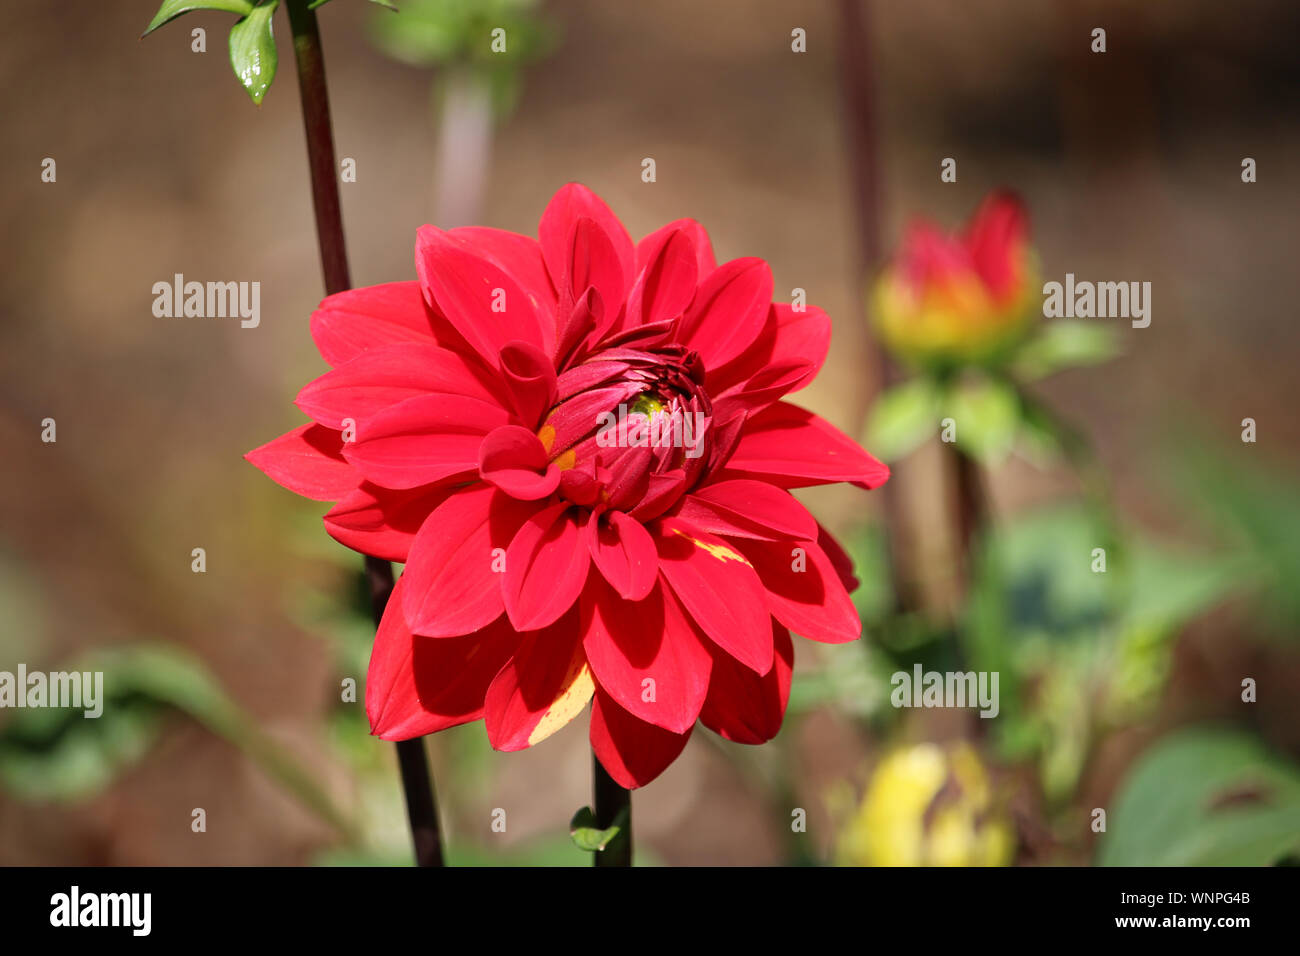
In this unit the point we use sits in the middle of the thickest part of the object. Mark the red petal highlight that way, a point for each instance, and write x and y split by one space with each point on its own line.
729 312
384 376
666 284
718 587
575 256
647 655
513 459
480 300
453 578
546 567
425 439
744 707
543 687
531 378
349 323
632 751
419 685
381 522
803 590
795 448
748 509
308 461
624 552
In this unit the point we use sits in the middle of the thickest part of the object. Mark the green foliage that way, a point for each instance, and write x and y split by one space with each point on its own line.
171 9
58 754
1078 650
458 34
252 40
1255 506
991 419
588 835
1064 344
252 50
1205 797
903 417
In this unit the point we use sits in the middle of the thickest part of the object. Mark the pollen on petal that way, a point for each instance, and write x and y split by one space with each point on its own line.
546 434
719 551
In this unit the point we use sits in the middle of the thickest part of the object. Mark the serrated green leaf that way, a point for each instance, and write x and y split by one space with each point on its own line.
171 9
252 50
586 835
1065 344
903 417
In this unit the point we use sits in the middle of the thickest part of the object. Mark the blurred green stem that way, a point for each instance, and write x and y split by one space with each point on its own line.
417 783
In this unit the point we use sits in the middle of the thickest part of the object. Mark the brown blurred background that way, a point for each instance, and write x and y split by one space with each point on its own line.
1130 162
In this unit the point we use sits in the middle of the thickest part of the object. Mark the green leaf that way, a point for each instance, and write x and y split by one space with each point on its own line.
987 413
903 417
252 50
1205 797
171 9
1065 344
586 835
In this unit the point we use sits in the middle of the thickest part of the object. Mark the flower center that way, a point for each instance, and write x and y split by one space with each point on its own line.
631 428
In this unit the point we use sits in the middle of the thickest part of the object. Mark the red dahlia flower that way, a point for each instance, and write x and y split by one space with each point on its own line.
578 448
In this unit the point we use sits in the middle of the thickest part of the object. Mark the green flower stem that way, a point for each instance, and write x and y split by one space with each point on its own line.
417 783
611 800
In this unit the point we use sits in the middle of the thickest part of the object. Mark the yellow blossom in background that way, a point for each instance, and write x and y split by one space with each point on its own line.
928 805
960 299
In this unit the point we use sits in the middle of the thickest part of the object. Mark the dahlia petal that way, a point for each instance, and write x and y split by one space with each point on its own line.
349 323
647 655
997 230
544 686
383 376
453 571
790 338
518 255
729 311
590 261
309 462
546 567
418 685
747 509
719 588
382 522
424 439
744 707
479 299
531 378
786 445
666 285
839 558
804 591
704 261
632 751
624 553
513 459
560 246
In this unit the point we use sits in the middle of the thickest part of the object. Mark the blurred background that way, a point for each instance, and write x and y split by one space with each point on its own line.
1121 691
